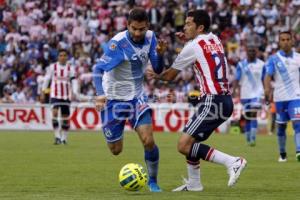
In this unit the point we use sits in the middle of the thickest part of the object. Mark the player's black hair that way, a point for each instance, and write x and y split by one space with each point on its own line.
200 17
63 50
137 14
285 31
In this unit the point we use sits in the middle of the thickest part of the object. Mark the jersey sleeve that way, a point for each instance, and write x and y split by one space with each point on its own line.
97 80
155 59
238 73
270 67
185 58
112 57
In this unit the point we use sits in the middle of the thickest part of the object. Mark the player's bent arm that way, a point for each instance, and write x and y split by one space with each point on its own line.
235 88
168 75
97 78
156 54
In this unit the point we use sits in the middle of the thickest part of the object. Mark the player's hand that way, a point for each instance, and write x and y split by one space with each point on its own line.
100 102
268 98
161 46
151 74
181 36
42 97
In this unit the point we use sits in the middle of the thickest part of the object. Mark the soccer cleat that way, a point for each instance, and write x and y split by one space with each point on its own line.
252 144
280 159
235 170
187 187
153 187
298 156
64 142
57 141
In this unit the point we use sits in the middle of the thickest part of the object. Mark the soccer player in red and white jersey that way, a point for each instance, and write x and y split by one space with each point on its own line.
204 51
63 86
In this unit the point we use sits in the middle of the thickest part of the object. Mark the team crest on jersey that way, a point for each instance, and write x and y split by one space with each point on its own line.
112 46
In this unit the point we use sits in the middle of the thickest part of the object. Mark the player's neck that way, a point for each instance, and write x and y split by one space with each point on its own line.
251 60
287 52
62 64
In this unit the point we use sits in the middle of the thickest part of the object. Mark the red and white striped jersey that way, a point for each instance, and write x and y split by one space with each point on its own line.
60 76
206 54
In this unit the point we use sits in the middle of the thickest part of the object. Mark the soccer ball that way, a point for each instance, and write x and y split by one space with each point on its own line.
133 177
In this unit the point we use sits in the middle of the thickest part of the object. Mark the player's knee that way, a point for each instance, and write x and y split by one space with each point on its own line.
55 123
116 151
296 127
148 143
183 147
65 125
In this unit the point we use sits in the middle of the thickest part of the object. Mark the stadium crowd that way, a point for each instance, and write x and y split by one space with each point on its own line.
31 32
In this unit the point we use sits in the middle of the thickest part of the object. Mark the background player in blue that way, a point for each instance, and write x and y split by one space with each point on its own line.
249 84
283 68
120 89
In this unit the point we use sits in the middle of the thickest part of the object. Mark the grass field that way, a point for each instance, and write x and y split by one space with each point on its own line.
31 168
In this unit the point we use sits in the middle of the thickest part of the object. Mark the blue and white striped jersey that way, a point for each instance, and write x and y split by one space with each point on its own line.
123 66
250 77
286 72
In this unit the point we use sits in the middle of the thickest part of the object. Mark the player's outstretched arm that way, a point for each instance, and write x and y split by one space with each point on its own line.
167 75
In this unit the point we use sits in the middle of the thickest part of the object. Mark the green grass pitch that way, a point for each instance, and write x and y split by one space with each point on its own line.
32 168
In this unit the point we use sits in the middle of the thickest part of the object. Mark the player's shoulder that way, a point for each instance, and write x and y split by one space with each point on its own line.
260 62
272 57
149 34
297 55
119 37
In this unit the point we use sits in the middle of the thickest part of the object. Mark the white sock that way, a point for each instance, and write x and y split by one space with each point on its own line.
194 174
57 133
64 135
222 158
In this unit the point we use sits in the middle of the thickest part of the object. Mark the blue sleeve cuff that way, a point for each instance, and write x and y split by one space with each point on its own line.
157 64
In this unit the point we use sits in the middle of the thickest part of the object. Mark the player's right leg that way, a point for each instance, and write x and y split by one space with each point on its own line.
193 182
294 113
246 114
113 123
282 117
55 122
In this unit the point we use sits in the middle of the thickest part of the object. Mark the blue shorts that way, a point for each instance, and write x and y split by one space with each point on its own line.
212 111
253 104
116 112
287 110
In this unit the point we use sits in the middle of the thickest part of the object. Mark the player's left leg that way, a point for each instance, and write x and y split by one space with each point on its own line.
213 113
151 151
65 113
296 127
253 131
294 112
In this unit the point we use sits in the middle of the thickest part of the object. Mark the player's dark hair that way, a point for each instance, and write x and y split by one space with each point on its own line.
285 31
200 17
137 14
63 50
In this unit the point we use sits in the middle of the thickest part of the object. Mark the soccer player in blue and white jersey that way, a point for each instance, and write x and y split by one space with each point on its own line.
120 89
284 68
249 82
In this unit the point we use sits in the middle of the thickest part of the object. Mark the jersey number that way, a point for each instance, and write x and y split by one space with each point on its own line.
220 65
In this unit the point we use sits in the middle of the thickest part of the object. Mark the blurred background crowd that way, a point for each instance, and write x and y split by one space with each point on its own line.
31 32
